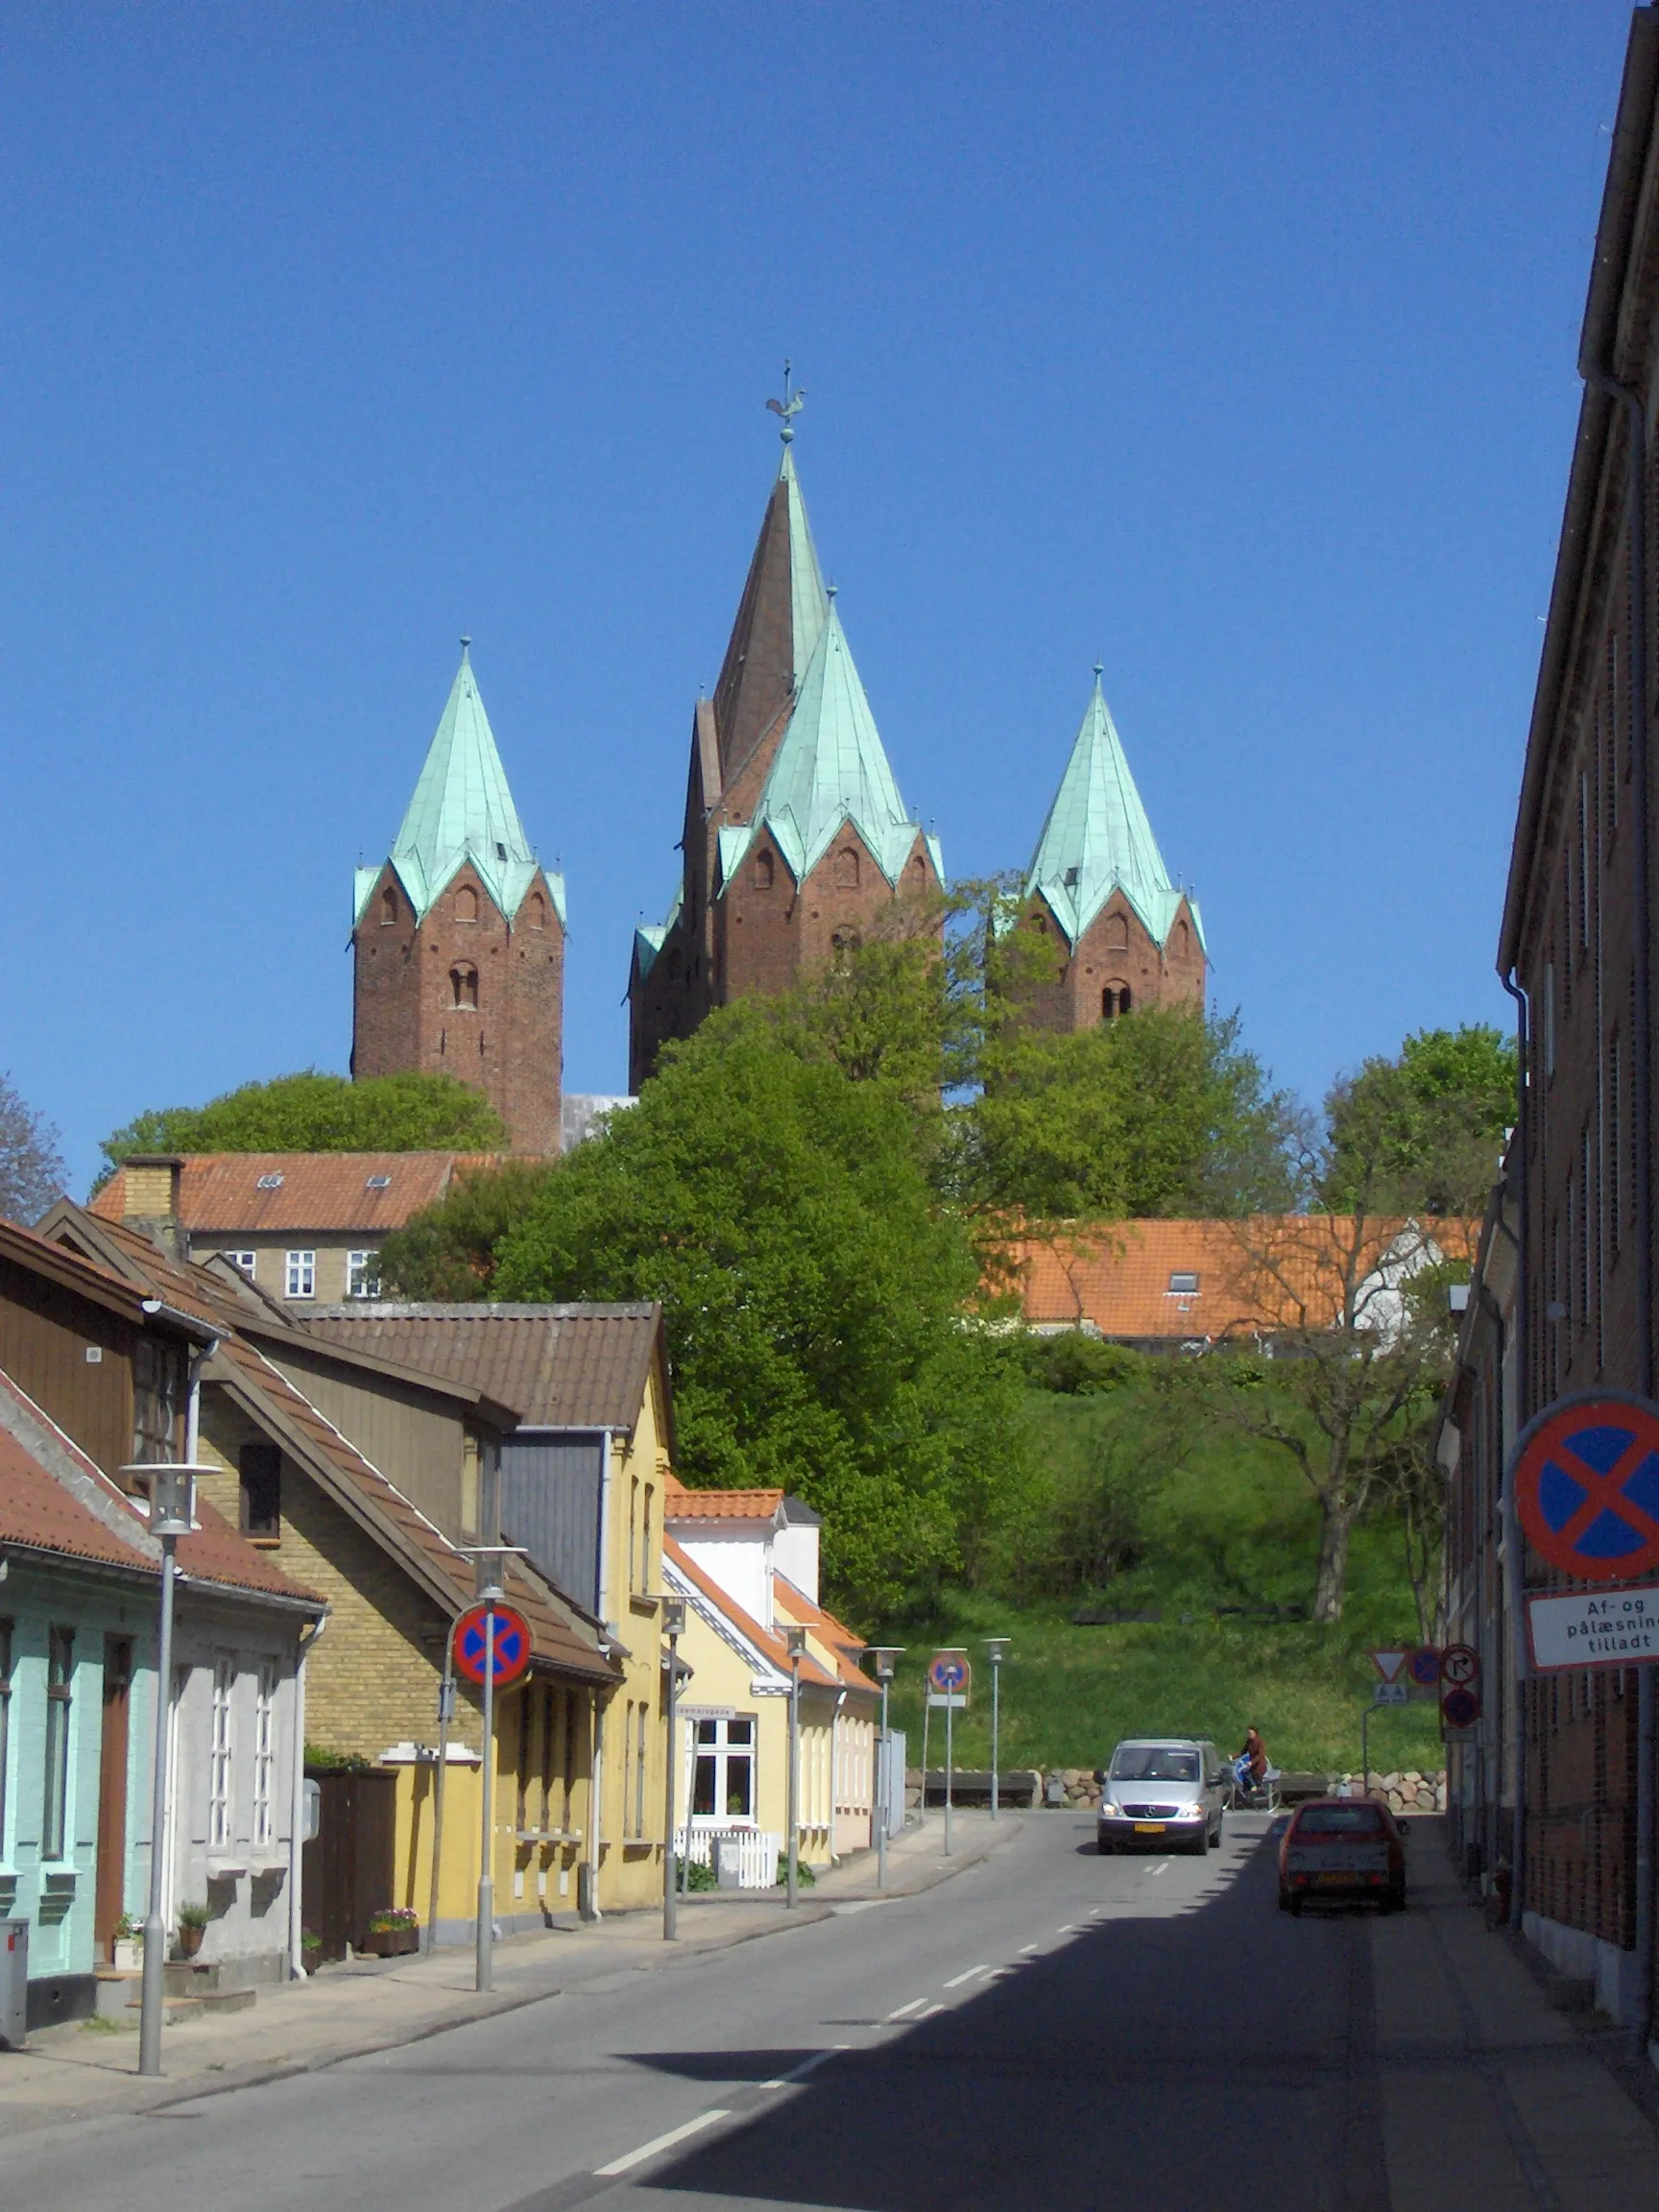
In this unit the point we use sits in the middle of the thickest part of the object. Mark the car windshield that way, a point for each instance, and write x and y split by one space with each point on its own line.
1153 1763
1339 1820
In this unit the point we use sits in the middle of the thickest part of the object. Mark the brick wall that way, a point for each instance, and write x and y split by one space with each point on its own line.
1115 952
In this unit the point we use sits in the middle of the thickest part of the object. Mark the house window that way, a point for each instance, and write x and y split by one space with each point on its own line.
633 1534
723 1778
5 1723
466 904
1182 939
244 1260
259 1467
843 944
59 1684
639 1778
220 1756
362 1274
264 1752
155 1399
645 1550
628 1772
464 987
917 873
302 1277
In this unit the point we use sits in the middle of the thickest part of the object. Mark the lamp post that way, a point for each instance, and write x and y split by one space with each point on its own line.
489 1558
794 1640
997 1648
887 1659
172 1515
674 1626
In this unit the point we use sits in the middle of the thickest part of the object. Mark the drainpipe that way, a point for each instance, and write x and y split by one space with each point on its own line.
296 1813
1513 1580
1647 1710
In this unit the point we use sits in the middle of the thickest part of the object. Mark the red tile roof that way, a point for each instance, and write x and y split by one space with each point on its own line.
771 1645
679 1503
220 1191
797 1607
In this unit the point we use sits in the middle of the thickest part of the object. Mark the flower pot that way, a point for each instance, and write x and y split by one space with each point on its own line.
190 1941
128 1957
391 1942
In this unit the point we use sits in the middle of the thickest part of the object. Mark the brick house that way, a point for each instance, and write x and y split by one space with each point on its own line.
796 840
458 937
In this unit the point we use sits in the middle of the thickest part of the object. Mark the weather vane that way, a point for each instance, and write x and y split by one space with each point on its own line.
788 408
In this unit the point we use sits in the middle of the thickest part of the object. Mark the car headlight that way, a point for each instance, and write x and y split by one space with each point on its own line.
1109 1812
1190 1812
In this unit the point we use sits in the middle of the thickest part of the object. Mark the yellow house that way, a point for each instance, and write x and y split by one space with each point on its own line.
746 1562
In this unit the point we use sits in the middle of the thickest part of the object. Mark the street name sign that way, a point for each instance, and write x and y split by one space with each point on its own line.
511 1649
947 1701
1586 1485
1595 1628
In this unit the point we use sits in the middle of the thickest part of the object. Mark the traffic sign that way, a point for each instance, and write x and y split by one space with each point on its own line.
949 1674
1388 1664
1595 1628
1460 1666
1390 1694
512 1644
1424 1668
1461 1708
1586 1476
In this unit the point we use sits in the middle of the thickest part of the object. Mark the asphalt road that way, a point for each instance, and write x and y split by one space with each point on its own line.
1050 2029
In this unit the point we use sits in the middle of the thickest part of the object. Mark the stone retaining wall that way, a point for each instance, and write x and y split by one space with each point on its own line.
1407 1792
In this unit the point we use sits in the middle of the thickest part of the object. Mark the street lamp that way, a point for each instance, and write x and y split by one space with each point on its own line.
488 1559
172 1491
795 1643
997 1648
674 1628
886 1661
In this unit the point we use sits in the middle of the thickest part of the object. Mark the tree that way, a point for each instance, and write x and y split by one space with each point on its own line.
1423 1132
449 1252
815 1295
32 1170
316 1113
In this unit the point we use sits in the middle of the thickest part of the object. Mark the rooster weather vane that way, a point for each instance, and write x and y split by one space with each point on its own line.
788 408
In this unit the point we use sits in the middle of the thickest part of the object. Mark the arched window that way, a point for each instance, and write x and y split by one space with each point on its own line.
388 908
1117 932
536 911
464 987
847 869
1183 941
764 868
1114 999
1039 922
843 944
466 904
918 873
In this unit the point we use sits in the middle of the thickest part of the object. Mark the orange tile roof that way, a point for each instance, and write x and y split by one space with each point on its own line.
219 1192
772 1645
1274 1274
841 1639
679 1503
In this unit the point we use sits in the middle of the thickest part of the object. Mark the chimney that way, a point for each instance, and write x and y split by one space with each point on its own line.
150 1183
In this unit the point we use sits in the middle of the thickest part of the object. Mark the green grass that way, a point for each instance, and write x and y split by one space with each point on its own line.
1234 1524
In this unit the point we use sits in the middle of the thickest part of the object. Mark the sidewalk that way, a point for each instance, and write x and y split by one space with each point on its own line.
83 2070
1486 2099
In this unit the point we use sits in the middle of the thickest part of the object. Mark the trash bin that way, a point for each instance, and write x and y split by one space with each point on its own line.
728 1854
13 1984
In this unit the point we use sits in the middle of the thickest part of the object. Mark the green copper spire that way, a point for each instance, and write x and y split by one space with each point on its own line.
462 811
1097 838
831 769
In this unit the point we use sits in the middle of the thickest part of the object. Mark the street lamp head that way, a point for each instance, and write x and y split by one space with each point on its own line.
172 1492
998 1648
795 1642
673 1616
885 1659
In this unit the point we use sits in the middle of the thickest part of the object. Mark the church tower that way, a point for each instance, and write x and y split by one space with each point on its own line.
1124 935
458 940
795 835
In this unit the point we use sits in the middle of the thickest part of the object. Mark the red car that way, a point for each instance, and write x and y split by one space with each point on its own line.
1344 1848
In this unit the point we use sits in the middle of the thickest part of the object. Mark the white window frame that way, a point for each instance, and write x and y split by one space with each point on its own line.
245 1261
719 1751
264 1753
221 1754
301 1275
363 1274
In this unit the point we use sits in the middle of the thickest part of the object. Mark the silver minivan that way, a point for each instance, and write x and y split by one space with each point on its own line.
1166 1791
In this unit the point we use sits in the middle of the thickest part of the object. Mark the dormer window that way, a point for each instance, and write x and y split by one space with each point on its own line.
378 1183
1072 877
268 1183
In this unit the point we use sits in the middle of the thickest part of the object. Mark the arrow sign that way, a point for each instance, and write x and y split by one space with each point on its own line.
1586 1476
1388 1664
1460 1666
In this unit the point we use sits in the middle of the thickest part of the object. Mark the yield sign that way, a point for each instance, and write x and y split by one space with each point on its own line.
1388 1664
1586 1477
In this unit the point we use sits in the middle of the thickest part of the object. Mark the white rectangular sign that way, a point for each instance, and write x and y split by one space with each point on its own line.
1390 1694
1596 1628
956 1702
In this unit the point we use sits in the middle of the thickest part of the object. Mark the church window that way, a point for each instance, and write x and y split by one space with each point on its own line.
388 908
847 868
464 987
918 873
1183 944
466 904
536 910
843 944
764 870
1114 999
1039 922
1118 932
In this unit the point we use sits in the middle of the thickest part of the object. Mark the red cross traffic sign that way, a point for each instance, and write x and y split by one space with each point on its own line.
512 1647
947 1674
1587 1485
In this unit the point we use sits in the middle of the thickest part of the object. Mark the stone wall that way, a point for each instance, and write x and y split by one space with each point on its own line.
1407 1792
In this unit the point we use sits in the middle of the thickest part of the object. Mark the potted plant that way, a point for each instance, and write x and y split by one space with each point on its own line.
393 1933
192 1927
311 1951
128 1947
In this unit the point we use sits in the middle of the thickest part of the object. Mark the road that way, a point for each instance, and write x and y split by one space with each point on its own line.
1052 2029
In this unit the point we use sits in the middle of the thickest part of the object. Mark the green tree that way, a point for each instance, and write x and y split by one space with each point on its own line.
815 1297
1422 1132
449 1252
316 1113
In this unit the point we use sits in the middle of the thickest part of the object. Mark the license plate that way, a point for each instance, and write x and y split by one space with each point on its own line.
1333 1881
1149 1827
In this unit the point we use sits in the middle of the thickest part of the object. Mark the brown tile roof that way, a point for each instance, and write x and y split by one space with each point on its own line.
560 1366
1274 1274
74 1271
679 1503
771 1645
323 1191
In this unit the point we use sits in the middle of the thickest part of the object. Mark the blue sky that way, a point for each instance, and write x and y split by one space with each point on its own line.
1234 347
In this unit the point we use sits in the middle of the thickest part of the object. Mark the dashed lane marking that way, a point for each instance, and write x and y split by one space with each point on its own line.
957 1979
904 2010
632 2158
930 2011
1026 1949
806 2066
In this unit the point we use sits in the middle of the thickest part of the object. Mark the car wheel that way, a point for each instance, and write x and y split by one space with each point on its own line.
1200 1842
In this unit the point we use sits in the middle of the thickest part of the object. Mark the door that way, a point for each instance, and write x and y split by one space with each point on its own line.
348 1867
110 1898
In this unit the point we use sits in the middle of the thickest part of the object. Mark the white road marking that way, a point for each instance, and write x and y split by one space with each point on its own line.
1069 1928
956 1981
931 2010
806 2066
1162 1867
1026 1949
660 2143
904 2010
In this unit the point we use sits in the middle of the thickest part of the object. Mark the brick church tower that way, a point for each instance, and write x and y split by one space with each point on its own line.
795 835
458 940
1124 935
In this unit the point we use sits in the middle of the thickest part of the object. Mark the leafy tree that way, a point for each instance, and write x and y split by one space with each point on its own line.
449 1252
1423 1132
316 1113
32 1170
815 1295
1077 1365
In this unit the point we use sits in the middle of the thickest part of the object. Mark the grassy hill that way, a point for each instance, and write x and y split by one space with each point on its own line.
1230 1524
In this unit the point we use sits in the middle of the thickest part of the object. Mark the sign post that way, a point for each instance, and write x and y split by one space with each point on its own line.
674 1628
886 1658
172 1515
795 1643
491 1644
947 1679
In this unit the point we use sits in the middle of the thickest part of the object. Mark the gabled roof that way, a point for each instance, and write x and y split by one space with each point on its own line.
373 1192
770 1648
574 1366
1097 839
462 811
829 770
796 1606
779 618
679 1503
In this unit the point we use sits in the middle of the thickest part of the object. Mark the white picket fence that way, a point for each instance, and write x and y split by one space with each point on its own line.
757 1852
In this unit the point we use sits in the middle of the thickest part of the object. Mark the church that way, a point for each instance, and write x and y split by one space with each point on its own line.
795 842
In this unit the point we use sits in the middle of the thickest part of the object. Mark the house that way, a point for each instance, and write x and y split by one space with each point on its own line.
746 1563
582 1482
96 1379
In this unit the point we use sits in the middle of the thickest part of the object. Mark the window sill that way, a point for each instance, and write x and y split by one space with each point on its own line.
58 1873
639 1847
637 1602
547 1834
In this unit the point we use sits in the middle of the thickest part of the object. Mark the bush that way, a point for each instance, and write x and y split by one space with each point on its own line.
1079 1364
